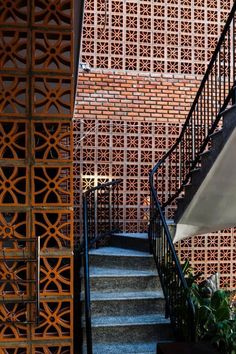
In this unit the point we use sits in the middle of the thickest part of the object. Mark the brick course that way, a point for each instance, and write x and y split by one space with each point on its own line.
123 96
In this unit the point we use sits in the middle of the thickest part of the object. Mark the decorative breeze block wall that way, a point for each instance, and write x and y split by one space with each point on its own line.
36 194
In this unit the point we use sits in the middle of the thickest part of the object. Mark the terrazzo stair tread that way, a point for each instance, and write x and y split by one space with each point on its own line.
110 272
107 304
127 295
131 333
205 156
130 241
120 258
217 138
127 348
196 176
142 236
113 321
116 251
179 199
207 160
127 303
126 281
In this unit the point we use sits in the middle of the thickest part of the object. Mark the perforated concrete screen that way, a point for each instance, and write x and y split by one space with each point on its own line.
36 194
175 36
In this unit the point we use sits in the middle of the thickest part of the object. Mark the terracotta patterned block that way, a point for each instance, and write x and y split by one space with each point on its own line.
13 95
56 318
55 276
52 51
13 140
53 141
13 350
52 349
13 186
14 12
52 186
36 41
54 228
52 96
13 50
52 13
19 314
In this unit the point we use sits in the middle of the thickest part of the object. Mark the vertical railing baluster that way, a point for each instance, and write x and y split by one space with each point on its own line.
224 77
213 96
229 61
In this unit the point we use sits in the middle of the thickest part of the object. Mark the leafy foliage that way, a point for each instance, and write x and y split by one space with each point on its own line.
215 320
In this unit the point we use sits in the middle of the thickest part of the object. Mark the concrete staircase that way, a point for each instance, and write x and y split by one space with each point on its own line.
127 302
208 202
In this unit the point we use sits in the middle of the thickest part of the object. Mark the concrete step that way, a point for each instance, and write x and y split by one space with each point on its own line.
121 348
131 241
120 258
127 303
131 329
115 280
217 138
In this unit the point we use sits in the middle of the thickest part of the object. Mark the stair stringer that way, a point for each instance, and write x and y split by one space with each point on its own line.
209 203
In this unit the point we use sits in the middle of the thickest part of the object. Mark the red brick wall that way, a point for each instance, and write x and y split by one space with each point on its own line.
126 96
124 123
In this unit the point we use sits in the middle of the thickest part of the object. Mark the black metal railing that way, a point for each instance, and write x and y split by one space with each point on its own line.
173 171
100 220
205 116
179 306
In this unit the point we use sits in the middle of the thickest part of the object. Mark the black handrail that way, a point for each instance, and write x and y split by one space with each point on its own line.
100 219
179 306
216 91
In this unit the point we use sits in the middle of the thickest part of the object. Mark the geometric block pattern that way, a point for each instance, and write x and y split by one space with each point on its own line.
172 36
127 150
36 188
124 150
211 253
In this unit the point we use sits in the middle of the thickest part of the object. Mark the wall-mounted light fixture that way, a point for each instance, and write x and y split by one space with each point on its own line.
85 67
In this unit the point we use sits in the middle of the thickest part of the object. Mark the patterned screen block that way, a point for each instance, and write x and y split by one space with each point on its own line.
56 275
106 150
14 12
53 141
13 50
14 350
54 228
53 349
52 51
212 253
18 313
13 139
173 36
55 320
52 96
13 185
13 96
52 186
36 195
53 13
